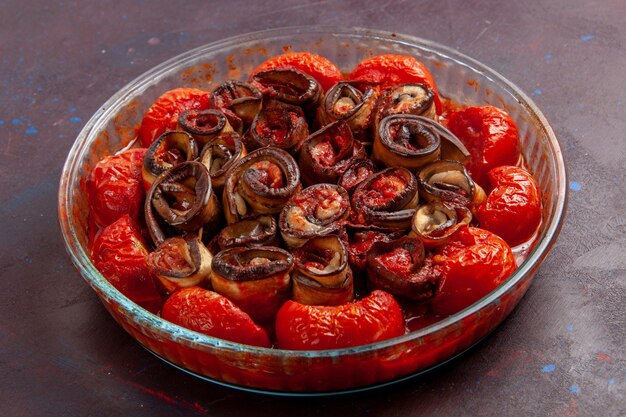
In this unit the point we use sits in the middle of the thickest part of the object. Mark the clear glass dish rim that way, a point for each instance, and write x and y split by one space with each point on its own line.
143 318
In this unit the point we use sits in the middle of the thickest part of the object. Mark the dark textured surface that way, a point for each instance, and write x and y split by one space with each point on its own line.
561 352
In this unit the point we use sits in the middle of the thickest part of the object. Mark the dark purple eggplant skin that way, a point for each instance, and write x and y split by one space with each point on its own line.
233 263
257 231
200 203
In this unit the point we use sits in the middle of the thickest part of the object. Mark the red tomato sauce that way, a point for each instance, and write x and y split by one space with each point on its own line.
384 189
269 174
399 261
276 131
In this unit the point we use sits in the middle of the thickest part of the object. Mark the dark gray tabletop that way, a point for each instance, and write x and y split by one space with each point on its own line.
561 352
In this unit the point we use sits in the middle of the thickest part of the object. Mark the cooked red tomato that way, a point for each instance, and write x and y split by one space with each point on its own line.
163 113
491 137
208 312
391 70
371 319
119 253
513 208
115 187
473 264
318 67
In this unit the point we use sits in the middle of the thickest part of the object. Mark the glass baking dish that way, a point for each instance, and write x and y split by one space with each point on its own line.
458 77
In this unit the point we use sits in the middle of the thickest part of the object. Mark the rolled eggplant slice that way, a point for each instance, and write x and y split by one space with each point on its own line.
256 279
401 268
235 121
181 200
405 141
359 240
181 262
257 231
327 153
221 154
170 149
241 98
344 101
386 199
260 183
289 86
356 173
321 274
436 222
411 98
318 210
278 125
451 147
449 181
205 125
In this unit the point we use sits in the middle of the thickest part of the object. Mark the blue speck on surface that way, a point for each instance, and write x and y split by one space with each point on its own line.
611 381
73 110
569 328
574 389
575 186
548 55
75 119
586 38
548 369
16 121
39 89
31 131
537 91
28 260
1 122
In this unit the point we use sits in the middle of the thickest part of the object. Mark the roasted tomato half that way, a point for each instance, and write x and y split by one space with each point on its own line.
371 319
208 312
473 264
391 70
491 137
318 67
513 208
164 112
115 187
119 253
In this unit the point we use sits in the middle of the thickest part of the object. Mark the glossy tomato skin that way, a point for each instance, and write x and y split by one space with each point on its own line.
374 318
119 253
318 67
163 114
513 208
473 264
115 187
490 135
390 70
212 314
